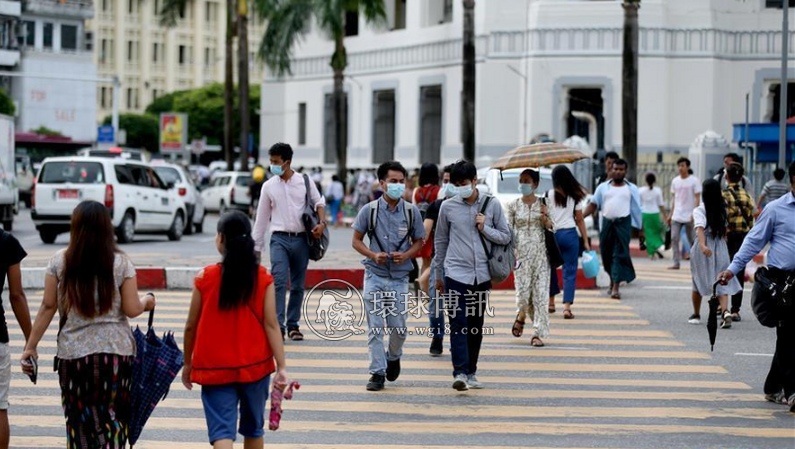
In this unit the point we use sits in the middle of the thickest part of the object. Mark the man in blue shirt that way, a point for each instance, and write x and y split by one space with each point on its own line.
776 225
395 231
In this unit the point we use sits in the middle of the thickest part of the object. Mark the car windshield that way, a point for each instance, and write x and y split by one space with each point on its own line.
243 181
168 175
74 172
510 184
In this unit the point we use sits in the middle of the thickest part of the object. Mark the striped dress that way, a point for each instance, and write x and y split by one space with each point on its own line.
705 269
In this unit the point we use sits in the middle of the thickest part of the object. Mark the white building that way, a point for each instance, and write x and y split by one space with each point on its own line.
57 88
540 64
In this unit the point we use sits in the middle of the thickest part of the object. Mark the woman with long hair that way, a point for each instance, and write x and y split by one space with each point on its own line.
653 209
710 254
527 217
93 287
232 338
423 197
565 209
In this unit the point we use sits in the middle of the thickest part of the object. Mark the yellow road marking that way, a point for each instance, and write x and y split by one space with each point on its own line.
295 349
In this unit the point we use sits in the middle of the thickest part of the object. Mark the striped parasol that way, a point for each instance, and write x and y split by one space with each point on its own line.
538 155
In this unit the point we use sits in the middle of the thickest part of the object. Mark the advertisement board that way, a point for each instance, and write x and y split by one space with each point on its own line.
173 132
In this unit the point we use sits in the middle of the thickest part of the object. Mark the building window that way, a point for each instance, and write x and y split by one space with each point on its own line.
431 124
106 51
103 97
775 104
47 34
301 123
209 56
184 55
211 12
778 4
132 51
156 7
330 134
351 23
383 126
586 106
132 98
438 12
133 6
157 52
155 94
89 41
107 5
398 16
69 37
30 33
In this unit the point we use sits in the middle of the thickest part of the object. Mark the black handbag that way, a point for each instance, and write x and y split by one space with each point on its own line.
317 247
773 296
553 252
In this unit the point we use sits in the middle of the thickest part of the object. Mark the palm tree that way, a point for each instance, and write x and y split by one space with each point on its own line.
289 20
468 100
629 88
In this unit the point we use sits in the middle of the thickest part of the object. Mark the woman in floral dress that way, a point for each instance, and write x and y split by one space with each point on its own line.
528 218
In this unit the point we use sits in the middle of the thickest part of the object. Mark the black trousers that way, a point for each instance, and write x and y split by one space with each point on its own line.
466 309
734 240
782 370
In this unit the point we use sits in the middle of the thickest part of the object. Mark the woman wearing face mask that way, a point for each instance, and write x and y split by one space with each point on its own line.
528 218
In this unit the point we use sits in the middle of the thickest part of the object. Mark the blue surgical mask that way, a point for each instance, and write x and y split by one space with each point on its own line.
395 191
277 170
449 190
465 191
526 189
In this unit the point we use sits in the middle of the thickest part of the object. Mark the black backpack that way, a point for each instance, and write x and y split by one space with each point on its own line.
317 247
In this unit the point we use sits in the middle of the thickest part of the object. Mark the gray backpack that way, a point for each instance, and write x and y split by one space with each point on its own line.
501 258
408 213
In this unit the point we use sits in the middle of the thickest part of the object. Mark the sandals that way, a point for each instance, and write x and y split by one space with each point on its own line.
518 327
616 295
295 335
537 342
568 315
552 308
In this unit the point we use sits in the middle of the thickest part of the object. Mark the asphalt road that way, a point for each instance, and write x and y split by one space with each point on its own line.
622 374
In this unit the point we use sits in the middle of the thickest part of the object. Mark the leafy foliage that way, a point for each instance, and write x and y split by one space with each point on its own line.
6 104
44 131
141 129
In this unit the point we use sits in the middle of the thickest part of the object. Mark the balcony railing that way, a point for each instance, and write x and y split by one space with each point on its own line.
83 9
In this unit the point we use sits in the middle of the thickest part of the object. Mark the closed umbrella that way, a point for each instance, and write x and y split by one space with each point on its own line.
538 155
156 364
712 319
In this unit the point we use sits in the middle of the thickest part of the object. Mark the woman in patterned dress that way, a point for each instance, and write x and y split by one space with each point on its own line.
92 285
528 218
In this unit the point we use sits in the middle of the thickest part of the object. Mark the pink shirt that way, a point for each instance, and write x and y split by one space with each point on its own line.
281 206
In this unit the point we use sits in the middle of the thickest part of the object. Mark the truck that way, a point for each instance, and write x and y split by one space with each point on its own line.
9 192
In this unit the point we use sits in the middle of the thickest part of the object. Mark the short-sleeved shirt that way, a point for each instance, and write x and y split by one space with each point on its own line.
392 229
684 191
109 333
11 253
774 190
739 209
651 199
563 217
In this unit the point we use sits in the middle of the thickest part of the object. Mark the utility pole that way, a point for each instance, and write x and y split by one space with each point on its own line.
783 103
469 92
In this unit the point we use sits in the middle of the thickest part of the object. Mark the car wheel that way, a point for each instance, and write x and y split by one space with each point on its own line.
8 225
199 227
47 236
175 232
126 231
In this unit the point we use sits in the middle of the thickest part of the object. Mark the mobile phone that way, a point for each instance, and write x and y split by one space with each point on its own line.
34 376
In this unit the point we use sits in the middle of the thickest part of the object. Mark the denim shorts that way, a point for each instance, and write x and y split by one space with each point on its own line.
221 409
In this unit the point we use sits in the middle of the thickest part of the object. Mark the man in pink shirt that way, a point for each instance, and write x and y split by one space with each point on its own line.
281 207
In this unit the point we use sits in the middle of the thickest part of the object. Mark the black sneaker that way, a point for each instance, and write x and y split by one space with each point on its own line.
376 383
392 370
436 347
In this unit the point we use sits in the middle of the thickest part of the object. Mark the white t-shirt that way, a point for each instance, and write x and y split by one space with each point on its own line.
562 217
650 200
684 191
616 202
700 217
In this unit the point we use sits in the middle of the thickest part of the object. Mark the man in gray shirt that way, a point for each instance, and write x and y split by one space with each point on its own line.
462 267
395 231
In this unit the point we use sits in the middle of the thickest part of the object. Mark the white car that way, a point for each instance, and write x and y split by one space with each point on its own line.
194 204
137 199
228 190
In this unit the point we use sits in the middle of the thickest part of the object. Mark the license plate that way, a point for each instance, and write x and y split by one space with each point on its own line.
68 194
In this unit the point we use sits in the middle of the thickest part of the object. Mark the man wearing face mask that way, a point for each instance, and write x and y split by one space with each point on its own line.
462 267
435 313
281 207
395 231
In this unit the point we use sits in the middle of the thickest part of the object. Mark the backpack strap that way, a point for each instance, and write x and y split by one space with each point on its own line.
306 182
489 254
408 214
371 223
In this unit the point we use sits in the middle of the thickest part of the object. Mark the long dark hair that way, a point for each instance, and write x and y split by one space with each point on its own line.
88 284
240 268
715 207
651 179
429 174
563 180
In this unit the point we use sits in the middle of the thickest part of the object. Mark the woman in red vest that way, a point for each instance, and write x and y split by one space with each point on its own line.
232 338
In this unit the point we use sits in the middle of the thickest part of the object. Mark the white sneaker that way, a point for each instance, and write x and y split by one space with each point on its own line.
473 383
694 319
460 383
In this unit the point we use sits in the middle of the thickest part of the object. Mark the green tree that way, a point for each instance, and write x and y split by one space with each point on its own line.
629 88
289 20
141 129
44 131
164 103
6 104
469 67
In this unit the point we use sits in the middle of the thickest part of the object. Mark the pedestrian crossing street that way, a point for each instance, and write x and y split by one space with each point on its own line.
607 379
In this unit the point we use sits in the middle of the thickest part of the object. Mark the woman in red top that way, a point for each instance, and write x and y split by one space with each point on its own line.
232 338
424 196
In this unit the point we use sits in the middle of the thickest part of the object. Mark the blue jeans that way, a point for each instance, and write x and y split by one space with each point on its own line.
335 210
466 326
385 306
569 244
435 313
289 259
221 409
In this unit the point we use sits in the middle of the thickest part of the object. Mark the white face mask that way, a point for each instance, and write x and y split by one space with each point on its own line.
465 191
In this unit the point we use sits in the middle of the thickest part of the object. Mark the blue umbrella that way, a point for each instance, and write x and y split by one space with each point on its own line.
156 364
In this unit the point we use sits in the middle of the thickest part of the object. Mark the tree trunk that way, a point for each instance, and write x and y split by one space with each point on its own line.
468 95
629 89
340 110
242 84
229 86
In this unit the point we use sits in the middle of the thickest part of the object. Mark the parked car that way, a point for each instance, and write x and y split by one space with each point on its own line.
114 152
139 201
227 190
25 176
194 204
